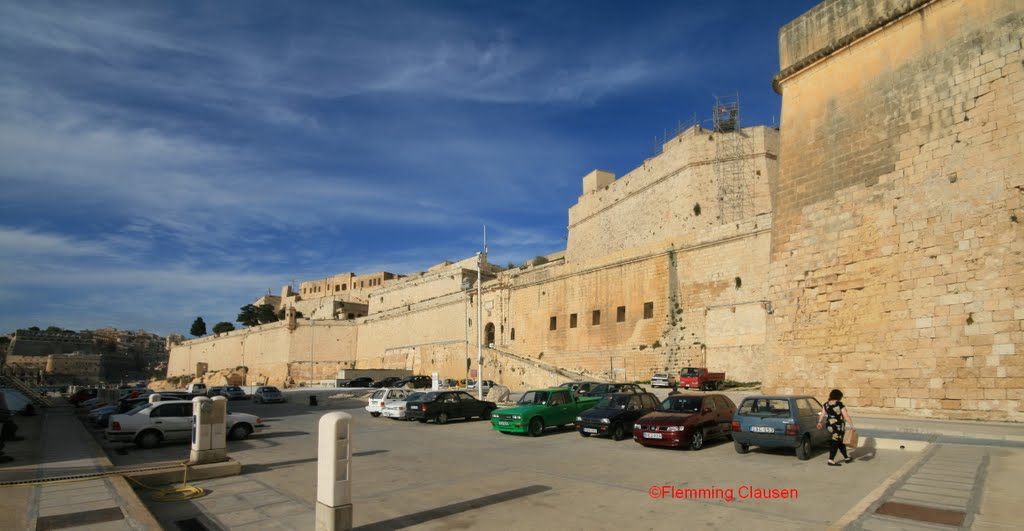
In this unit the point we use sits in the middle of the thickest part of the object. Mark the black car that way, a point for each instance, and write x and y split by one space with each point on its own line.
440 406
609 388
615 414
415 382
362 381
386 382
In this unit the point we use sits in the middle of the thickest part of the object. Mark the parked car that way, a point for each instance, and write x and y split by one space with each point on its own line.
215 391
609 388
440 406
267 394
487 384
165 421
778 422
381 397
615 414
101 416
82 395
233 392
686 420
362 381
415 382
700 378
661 379
397 409
579 388
386 382
196 389
541 408
451 383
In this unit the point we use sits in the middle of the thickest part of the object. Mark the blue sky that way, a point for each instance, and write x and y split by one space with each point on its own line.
166 160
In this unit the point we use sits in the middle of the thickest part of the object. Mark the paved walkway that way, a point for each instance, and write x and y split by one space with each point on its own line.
62 452
966 470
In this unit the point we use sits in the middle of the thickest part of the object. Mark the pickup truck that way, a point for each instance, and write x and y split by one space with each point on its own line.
700 378
540 409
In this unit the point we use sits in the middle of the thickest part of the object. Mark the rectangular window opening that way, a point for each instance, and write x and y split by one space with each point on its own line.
554 323
595 318
648 310
620 314
572 321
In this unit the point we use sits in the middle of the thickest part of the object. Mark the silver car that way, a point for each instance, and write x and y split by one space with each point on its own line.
661 379
233 392
396 409
267 394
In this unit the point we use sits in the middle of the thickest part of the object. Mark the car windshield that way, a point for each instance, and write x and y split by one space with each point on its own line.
426 397
681 404
414 397
378 394
661 375
568 384
689 372
534 397
137 408
234 388
613 402
270 390
765 407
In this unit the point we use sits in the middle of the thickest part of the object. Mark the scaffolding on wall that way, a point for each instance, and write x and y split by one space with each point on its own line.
732 149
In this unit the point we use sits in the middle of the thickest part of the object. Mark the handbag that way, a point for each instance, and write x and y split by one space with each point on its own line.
850 437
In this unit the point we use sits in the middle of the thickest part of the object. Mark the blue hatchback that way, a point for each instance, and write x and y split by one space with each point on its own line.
778 422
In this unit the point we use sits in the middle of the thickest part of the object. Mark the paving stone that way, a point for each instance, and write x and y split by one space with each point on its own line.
941 491
286 509
83 497
881 523
263 497
957 501
237 518
76 508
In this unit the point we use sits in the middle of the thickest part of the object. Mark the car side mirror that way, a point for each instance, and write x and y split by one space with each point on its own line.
707 410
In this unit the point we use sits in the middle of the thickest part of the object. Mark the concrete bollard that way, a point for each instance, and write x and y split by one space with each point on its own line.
155 397
333 476
209 430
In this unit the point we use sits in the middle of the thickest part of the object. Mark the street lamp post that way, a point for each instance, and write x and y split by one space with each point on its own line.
466 284
479 330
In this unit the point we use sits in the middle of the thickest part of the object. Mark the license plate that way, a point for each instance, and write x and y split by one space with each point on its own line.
652 435
590 430
762 429
502 423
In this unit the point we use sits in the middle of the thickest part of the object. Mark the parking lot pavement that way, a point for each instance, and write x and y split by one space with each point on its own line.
464 475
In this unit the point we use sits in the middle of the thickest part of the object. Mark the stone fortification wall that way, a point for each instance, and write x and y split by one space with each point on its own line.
702 180
420 288
898 250
268 350
707 306
440 319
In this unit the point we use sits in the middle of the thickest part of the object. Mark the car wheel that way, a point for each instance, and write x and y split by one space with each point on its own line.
697 440
256 400
422 421
240 432
803 451
377 414
740 447
148 439
486 415
536 427
617 433
442 418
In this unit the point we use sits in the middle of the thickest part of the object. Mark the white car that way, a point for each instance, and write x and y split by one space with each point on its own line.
396 409
381 397
661 379
170 420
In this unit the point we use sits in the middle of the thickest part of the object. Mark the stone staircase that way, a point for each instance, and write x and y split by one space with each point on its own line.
21 387
568 375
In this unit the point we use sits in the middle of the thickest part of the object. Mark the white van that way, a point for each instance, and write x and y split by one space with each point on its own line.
196 389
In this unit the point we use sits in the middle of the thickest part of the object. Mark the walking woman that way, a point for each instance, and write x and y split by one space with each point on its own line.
838 419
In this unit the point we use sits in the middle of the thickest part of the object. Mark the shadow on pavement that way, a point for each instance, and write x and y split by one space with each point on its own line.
454 508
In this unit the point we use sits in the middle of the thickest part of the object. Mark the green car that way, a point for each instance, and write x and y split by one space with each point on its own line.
540 409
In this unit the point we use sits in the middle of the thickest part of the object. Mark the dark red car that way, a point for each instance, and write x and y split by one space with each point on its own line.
82 395
686 421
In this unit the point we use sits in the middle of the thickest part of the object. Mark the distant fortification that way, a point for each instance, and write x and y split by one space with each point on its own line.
873 244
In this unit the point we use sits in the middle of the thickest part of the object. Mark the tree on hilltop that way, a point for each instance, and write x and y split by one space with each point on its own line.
198 327
265 314
249 315
223 327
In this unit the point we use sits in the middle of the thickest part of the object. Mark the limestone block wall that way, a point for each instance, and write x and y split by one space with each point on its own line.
707 306
437 320
898 249
702 180
418 289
